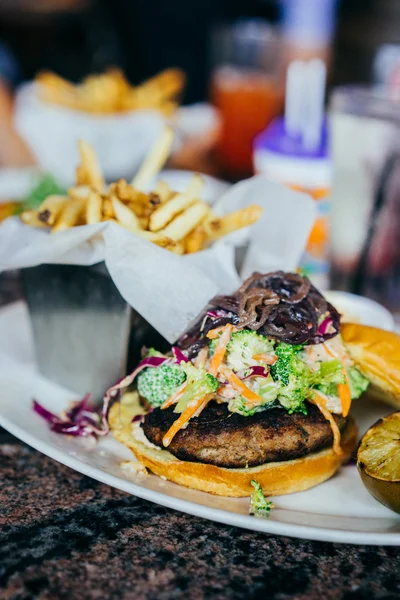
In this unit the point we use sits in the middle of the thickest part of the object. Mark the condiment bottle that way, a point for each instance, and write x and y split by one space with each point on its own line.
284 159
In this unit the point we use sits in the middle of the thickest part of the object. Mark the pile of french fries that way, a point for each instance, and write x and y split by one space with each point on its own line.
111 92
177 221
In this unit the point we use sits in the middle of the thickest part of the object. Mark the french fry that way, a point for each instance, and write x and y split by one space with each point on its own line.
178 222
47 79
108 211
177 248
155 159
124 191
163 191
51 208
31 217
56 90
79 191
186 221
142 204
167 211
89 172
110 92
125 215
217 227
102 93
94 207
144 222
168 108
70 214
194 241
153 201
164 86
165 242
156 238
121 83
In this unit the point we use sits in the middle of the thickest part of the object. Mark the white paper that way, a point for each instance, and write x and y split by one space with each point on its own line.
166 289
121 141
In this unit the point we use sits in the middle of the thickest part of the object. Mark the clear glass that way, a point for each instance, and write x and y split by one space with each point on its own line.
365 228
245 87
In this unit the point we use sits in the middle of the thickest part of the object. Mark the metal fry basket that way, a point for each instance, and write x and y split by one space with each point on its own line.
86 336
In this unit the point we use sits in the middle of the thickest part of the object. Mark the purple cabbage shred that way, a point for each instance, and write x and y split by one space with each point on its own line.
80 420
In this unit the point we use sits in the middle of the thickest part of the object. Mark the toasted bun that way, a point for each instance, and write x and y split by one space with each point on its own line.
275 478
377 354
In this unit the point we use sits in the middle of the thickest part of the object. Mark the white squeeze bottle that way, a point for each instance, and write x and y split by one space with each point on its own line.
294 151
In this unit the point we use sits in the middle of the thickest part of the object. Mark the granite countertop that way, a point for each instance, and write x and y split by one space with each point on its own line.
65 536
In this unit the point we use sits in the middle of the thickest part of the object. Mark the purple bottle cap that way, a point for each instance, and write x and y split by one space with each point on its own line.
276 140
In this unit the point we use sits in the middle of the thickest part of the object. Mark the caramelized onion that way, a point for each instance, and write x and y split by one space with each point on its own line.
283 306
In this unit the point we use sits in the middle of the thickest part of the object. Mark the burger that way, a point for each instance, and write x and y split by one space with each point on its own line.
259 389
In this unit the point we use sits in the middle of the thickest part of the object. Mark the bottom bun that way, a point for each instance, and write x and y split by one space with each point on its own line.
276 478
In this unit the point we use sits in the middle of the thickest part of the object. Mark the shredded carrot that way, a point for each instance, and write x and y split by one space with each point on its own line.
220 350
268 359
311 352
175 396
343 388
345 395
201 358
320 402
329 351
239 386
187 414
214 333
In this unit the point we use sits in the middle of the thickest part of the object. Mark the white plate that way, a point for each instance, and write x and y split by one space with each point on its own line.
359 309
340 510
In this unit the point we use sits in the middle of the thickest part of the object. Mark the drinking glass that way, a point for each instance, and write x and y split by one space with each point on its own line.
365 232
245 87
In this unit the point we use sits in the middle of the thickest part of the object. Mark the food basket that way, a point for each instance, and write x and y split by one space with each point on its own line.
121 140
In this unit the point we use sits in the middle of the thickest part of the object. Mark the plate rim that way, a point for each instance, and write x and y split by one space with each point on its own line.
271 527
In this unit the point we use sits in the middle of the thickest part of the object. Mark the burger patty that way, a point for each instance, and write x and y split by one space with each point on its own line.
219 437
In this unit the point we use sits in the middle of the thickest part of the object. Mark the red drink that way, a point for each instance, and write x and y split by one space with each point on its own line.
247 100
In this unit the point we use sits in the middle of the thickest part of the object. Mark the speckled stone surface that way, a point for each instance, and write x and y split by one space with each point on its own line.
64 536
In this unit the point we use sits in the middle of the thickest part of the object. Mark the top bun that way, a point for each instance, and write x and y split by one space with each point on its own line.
377 354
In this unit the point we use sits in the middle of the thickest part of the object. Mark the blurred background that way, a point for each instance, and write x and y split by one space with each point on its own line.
306 92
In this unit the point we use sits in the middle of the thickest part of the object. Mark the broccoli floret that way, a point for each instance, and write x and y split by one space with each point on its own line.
328 376
357 382
294 376
281 369
211 347
199 384
259 505
153 352
243 346
238 405
157 384
266 388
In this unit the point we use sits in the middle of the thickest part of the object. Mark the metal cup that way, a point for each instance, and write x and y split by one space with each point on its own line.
86 336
